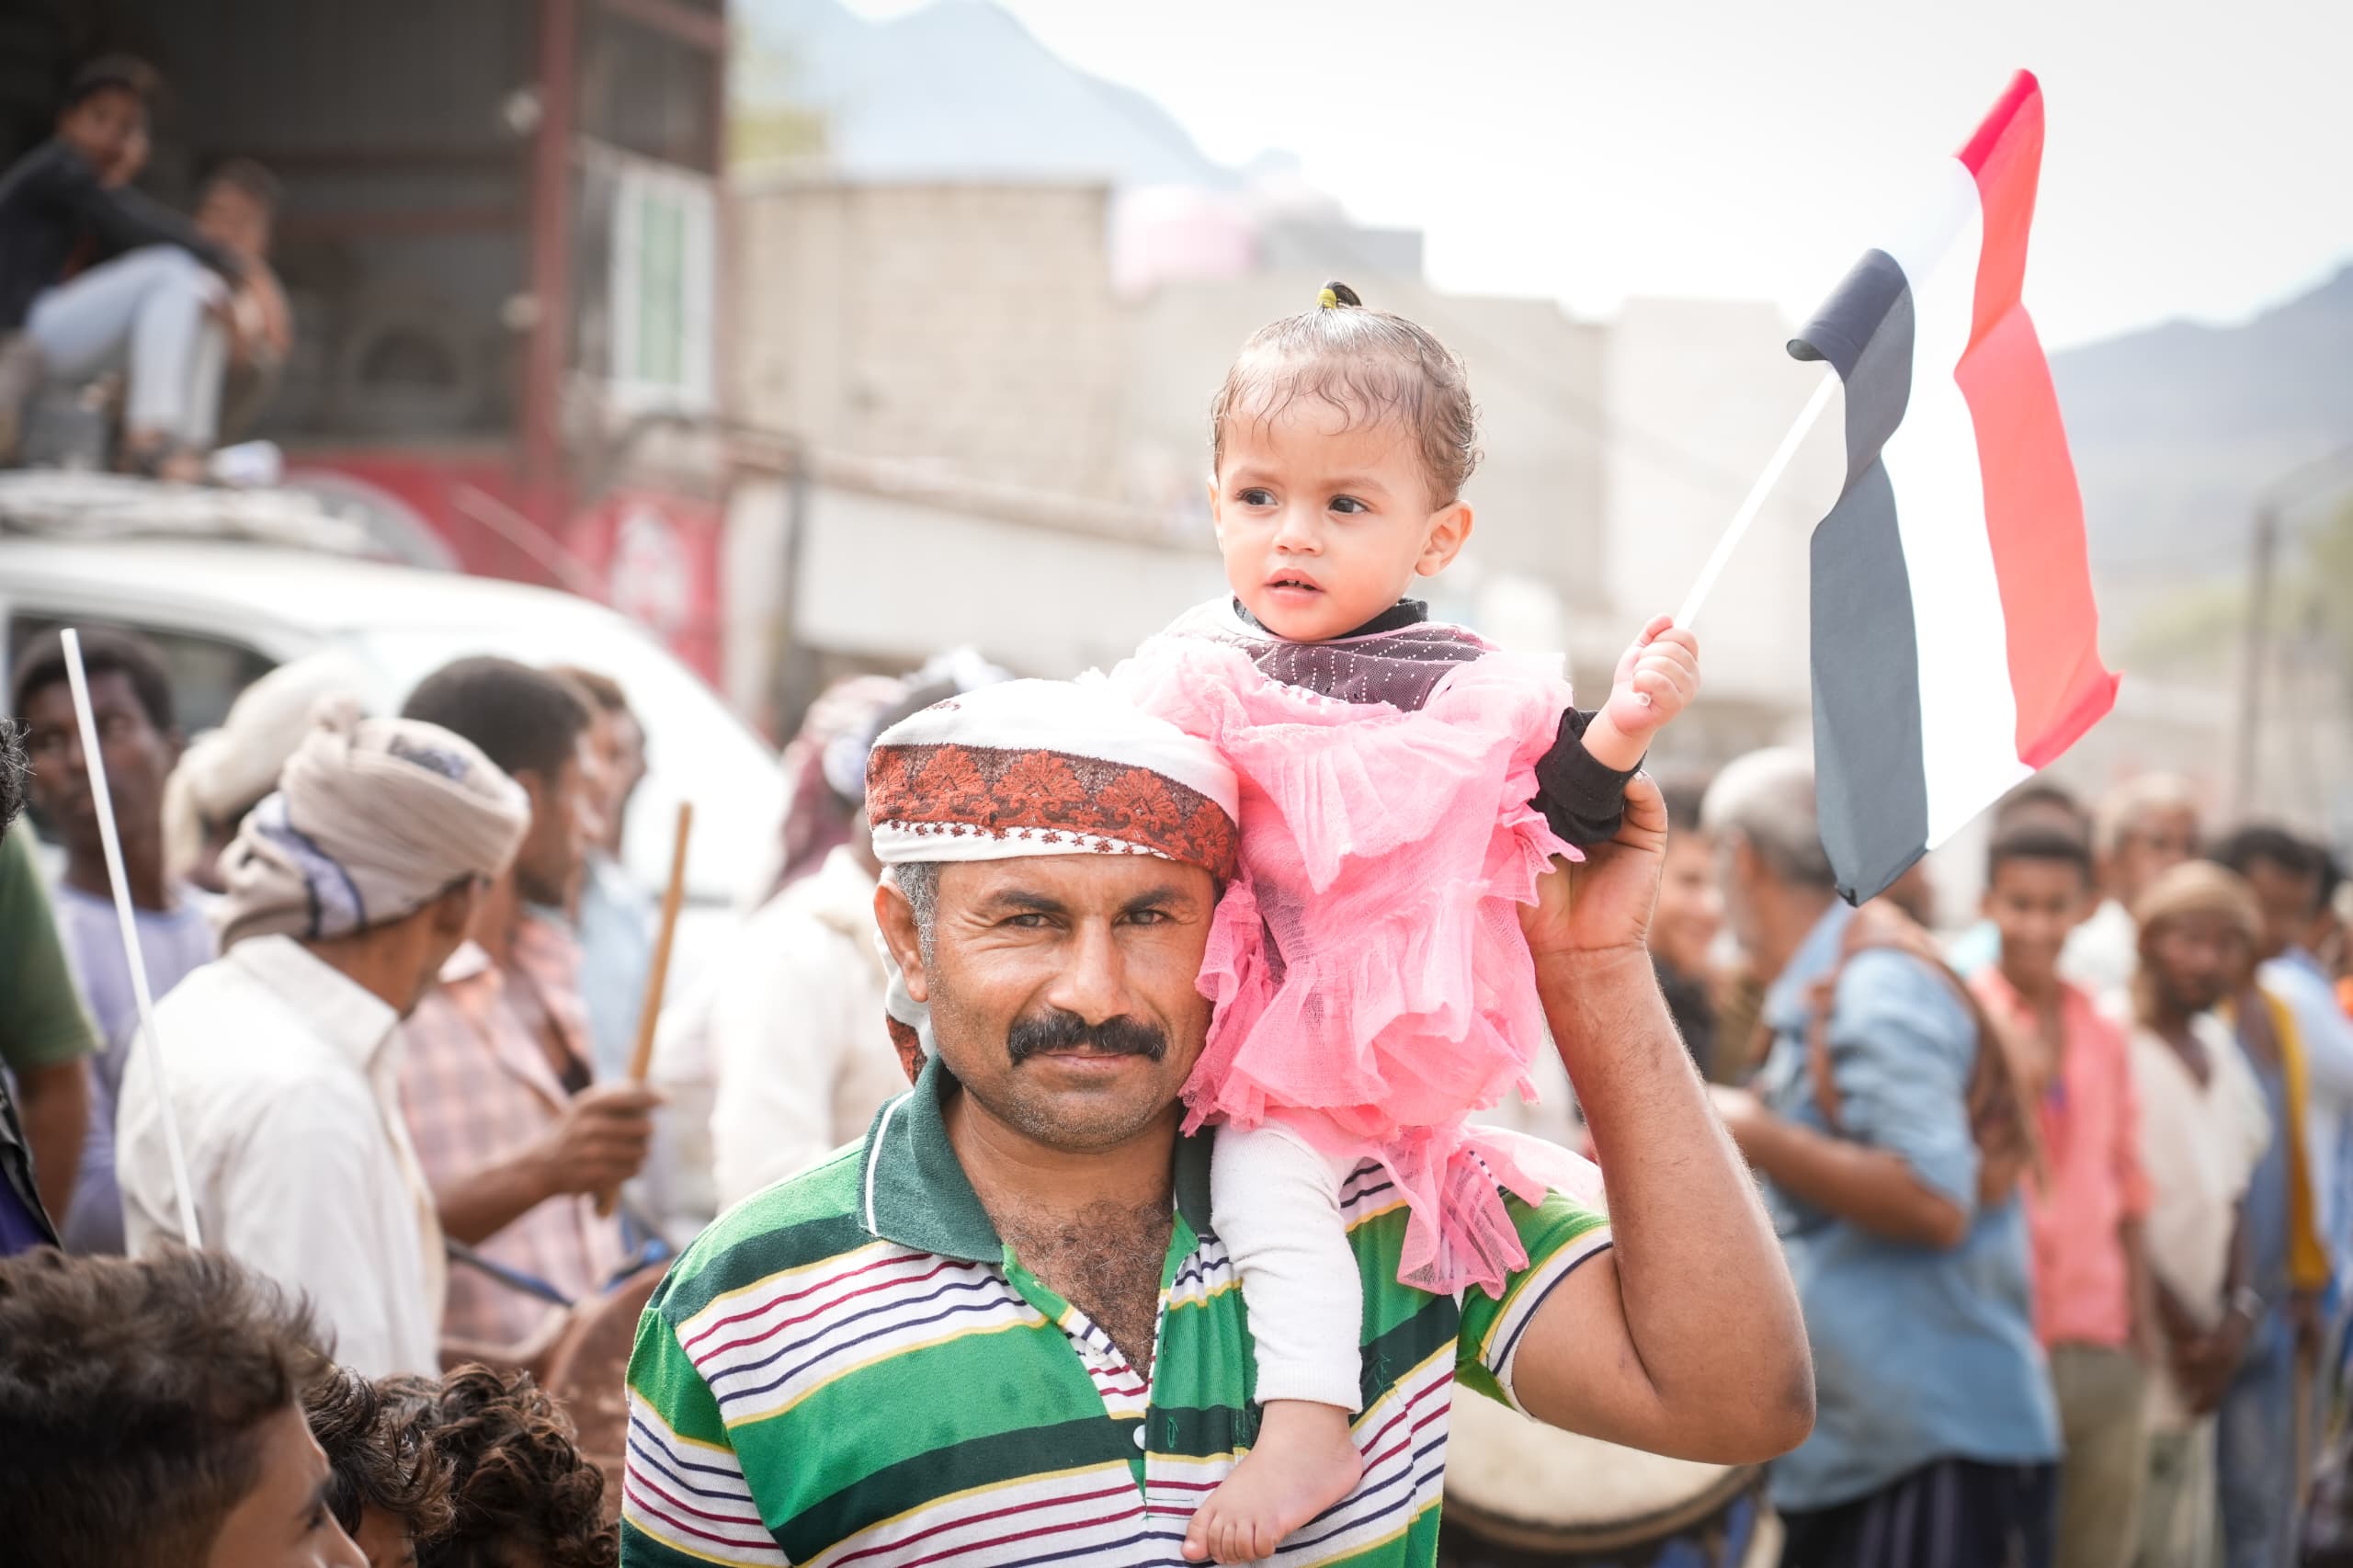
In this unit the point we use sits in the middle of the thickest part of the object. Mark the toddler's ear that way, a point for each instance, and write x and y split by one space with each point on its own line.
1217 522
1449 530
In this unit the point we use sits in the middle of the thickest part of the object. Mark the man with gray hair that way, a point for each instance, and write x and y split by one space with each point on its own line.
1936 1439
348 889
2142 828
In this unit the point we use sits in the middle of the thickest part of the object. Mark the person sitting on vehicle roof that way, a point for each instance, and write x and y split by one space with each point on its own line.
95 276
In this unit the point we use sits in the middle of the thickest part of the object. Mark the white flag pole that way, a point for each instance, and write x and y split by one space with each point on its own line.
94 761
1756 501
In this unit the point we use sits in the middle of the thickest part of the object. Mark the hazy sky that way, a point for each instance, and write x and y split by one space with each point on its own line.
2199 161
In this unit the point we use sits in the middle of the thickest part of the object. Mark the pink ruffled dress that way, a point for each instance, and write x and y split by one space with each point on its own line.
1371 983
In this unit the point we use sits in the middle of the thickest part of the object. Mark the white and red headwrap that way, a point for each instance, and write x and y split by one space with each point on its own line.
1049 768
1041 768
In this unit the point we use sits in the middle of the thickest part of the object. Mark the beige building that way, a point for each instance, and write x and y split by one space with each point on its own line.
965 327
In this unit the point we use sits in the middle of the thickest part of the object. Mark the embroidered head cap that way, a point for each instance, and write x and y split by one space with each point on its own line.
1048 768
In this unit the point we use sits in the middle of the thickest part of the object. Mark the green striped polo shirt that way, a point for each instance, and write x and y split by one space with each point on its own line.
851 1368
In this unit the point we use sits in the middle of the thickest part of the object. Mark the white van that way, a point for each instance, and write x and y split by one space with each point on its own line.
226 602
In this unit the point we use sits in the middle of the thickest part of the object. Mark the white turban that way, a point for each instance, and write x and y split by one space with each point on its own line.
225 771
373 819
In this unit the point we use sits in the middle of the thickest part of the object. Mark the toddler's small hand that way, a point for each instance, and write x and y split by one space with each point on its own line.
1655 680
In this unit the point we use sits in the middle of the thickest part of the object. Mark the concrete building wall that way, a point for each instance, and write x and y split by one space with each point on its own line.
892 579
967 325
1700 394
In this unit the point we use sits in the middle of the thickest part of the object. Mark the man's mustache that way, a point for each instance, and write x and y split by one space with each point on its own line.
1058 1031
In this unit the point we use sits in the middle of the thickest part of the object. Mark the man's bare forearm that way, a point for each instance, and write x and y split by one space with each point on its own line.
1710 1310
477 1205
54 1102
1871 1189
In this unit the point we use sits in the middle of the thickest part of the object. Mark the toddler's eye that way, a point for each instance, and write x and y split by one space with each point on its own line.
1255 496
1349 504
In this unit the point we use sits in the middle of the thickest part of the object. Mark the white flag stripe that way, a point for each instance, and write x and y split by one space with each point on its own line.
1969 713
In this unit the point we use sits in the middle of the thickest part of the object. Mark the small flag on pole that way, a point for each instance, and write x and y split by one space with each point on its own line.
1955 643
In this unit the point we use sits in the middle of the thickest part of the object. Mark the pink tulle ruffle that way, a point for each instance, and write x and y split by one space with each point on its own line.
1372 987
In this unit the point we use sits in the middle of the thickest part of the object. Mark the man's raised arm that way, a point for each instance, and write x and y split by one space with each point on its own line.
1685 1338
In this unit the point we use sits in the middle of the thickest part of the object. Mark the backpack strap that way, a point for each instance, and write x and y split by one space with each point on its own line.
2001 1113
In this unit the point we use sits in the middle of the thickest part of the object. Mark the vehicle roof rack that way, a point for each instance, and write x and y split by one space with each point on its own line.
70 503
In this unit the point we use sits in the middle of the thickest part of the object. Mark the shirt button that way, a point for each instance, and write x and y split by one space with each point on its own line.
1139 1436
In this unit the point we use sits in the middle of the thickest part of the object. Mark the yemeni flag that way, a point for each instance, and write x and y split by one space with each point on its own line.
1955 643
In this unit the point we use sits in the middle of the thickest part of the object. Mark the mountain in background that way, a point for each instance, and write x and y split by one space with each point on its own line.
2178 428
955 90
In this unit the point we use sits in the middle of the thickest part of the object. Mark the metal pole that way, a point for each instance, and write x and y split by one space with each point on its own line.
550 246
793 669
2257 655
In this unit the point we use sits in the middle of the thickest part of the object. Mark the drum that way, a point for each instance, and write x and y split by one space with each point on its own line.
587 1373
1519 1494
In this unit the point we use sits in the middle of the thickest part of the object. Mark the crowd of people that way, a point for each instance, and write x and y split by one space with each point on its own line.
171 317
2056 1222
280 1397
2064 1195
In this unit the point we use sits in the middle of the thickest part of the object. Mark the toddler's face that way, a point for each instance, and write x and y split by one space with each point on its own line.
1324 522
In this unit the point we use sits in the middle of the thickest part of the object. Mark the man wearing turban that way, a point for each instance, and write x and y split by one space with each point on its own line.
1002 1328
347 890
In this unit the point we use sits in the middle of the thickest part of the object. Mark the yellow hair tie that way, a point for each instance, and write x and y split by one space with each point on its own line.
1328 300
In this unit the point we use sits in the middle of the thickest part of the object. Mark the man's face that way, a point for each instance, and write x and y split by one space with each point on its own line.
283 1522
565 818
2154 843
627 762
2289 901
232 216
1063 991
2034 903
617 749
138 756
437 931
104 128
2198 960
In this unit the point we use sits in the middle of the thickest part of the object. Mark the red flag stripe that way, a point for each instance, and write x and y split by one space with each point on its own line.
2034 513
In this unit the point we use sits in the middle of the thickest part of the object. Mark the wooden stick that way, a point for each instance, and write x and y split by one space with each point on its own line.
657 974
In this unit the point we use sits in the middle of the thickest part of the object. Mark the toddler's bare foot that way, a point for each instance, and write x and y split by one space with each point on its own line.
1305 1460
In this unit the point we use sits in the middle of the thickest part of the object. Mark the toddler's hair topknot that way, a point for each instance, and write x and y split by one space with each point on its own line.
1371 365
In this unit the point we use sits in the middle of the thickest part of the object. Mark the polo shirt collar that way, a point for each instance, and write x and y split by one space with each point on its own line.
346 1015
916 1193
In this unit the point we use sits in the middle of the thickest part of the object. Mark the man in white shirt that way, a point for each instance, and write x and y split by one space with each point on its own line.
2205 1131
2143 828
797 1032
348 889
